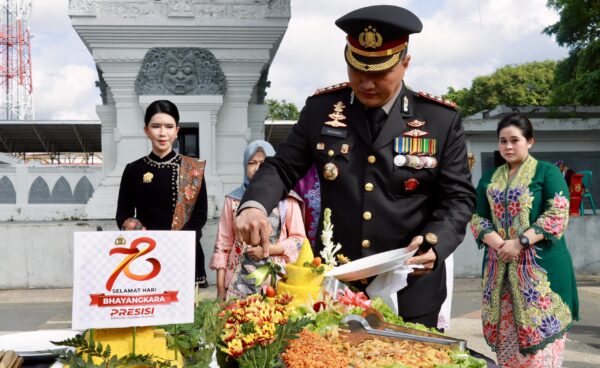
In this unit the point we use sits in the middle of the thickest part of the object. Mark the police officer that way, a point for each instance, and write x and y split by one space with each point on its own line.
392 163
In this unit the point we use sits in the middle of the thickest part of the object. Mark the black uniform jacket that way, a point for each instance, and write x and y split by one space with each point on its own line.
373 207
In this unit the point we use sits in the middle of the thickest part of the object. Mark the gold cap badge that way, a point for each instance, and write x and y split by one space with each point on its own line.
370 38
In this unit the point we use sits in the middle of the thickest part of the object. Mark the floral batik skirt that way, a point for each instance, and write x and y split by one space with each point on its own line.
508 353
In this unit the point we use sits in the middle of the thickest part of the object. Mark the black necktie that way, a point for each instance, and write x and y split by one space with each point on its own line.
376 117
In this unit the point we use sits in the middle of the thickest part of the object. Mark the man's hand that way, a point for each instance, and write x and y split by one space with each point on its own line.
252 227
255 252
426 259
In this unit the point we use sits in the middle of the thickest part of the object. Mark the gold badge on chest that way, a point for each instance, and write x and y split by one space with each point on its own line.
336 116
330 171
147 178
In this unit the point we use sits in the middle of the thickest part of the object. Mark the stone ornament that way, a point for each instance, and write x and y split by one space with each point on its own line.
82 7
180 71
180 8
238 9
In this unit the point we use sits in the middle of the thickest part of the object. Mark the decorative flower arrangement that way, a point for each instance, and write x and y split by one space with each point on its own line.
257 330
329 248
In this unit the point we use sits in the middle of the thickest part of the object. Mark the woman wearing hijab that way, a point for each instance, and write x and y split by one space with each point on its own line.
234 260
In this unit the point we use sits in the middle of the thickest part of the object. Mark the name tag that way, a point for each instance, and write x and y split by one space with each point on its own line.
338 133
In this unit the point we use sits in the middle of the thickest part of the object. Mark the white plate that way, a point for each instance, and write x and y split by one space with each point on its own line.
35 343
370 266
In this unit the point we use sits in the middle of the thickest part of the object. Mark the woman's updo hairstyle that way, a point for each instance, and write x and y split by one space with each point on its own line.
161 106
519 121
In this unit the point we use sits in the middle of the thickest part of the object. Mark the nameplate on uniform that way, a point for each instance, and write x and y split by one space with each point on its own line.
339 133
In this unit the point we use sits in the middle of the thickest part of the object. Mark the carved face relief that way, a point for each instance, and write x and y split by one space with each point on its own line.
180 74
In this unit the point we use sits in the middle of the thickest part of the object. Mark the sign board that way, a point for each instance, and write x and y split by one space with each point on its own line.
133 278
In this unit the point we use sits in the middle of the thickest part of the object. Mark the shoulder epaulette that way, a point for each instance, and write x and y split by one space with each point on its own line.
438 99
335 87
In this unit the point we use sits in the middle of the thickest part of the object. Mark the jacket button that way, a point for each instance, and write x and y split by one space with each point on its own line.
330 153
367 215
369 187
371 159
365 243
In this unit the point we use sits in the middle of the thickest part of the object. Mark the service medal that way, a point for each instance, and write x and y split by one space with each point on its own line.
147 178
330 171
399 160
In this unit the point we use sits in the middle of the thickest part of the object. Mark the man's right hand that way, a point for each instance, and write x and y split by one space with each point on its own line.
252 226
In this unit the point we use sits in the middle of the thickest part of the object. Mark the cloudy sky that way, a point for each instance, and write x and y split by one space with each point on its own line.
461 39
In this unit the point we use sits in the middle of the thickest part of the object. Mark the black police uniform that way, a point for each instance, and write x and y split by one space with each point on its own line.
377 203
373 208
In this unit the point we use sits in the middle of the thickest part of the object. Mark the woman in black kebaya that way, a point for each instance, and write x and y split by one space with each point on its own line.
164 190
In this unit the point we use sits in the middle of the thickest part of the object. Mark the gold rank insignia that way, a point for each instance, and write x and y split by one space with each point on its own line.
320 146
415 133
148 177
345 148
336 116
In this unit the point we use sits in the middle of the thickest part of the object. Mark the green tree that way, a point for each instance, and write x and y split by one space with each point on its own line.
281 110
578 76
516 85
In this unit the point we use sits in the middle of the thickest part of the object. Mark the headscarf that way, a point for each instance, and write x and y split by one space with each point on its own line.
250 150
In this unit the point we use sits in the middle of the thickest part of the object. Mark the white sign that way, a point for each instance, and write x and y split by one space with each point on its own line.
133 278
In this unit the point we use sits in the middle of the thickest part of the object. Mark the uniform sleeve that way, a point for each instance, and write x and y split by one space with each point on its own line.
481 223
455 194
225 237
126 201
552 223
293 233
281 172
198 218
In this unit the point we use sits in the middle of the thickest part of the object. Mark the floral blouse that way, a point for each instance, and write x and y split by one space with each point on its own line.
228 252
541 280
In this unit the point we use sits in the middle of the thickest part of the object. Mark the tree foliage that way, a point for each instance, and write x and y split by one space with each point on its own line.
578 76
281 110
516 85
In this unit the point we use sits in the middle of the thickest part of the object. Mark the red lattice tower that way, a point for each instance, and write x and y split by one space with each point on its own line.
16 85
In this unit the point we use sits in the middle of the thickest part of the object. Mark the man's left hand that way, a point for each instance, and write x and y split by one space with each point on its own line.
426 259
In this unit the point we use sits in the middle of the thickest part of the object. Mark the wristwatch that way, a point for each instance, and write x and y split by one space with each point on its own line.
524 241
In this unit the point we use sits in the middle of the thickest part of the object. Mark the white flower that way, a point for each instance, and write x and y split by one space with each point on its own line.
329 249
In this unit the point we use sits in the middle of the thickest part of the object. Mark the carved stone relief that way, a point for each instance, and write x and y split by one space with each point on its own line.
241 9
138 9
180 71
180 8
82 7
